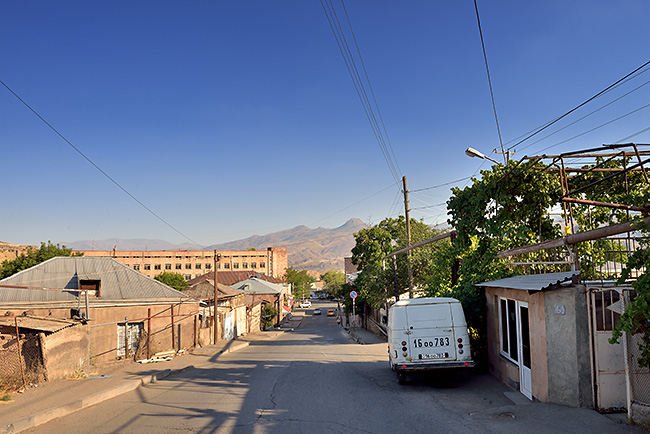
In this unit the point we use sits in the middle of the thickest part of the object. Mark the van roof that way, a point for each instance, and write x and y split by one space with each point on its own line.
426 300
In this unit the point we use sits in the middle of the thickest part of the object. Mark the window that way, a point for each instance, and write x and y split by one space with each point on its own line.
156 267
189 277
136 266
244 265
235 265
188 266
262 265
218 266
226 266
147 266
508 323
208 266
128 336
197 266
179 266
253 264
168 266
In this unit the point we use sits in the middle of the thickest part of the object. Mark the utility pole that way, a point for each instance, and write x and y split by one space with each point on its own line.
408 237
216 297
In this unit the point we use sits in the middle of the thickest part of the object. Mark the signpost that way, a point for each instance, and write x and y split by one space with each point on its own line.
353 294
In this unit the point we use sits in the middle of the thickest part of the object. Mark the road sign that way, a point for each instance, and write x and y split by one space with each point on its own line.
353 294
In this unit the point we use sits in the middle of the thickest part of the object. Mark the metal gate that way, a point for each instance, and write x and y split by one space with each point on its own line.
609 359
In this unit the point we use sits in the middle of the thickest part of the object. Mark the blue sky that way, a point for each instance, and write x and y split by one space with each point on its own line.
229 119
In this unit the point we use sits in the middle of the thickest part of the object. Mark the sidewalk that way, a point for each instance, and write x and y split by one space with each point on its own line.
54 399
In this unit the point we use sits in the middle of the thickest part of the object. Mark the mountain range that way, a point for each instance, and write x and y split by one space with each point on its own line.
318 250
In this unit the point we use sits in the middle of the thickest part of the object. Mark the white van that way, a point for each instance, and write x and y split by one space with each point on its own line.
427 333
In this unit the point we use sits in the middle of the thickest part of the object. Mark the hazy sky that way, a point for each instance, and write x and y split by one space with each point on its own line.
229 119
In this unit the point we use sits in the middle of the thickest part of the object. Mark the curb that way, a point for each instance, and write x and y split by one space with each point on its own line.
81 403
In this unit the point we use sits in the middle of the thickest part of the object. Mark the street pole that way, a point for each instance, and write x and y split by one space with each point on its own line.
216 297
354 314
408 237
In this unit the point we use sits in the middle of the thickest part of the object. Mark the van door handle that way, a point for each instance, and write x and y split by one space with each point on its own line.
408 332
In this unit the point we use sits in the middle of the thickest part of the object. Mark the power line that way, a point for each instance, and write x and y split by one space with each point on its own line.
602 92
596 128
96 166
585 116
487 69
353 71
440 185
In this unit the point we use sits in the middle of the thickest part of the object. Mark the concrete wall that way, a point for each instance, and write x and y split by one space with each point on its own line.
569 361
65 353
105 319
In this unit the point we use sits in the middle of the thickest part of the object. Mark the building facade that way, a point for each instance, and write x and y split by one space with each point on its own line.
193 263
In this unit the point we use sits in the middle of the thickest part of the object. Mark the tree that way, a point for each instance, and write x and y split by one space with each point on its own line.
636 318
300 281
175 280
34 257
333 281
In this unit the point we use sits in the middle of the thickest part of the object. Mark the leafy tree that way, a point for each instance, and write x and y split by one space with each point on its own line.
175 280
268 316
333 281
300 280
34 257
636 318
375 282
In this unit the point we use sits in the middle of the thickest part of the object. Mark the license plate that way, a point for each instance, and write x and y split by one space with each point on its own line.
435 356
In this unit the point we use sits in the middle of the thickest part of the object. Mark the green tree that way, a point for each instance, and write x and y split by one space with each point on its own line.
333 281
34 257
636 318
268 316
300 280
175 280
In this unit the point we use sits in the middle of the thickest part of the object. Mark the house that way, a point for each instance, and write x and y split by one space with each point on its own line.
124 313
234 317
258 290
539 337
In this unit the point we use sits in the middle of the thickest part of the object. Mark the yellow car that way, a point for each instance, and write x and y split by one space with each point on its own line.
330 312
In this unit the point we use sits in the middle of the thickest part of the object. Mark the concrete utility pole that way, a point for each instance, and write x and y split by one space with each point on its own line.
408 237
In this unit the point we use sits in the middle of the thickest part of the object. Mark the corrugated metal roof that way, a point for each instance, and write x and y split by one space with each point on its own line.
49 325
56 278
204 290
533 282
257 286
231 277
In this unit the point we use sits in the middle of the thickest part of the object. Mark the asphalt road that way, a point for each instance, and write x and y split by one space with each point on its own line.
315 379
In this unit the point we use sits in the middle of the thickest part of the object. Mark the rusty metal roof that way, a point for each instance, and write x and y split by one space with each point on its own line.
49 325
532 282
57 279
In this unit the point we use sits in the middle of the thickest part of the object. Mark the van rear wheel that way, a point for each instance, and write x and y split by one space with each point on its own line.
401 378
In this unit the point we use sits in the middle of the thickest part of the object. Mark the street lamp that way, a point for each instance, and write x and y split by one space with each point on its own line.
471 152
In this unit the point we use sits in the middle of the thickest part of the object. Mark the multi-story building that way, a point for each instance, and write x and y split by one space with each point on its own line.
193 263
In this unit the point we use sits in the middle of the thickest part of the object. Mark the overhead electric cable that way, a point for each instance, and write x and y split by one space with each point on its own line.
97 167
630 78
633 135
598 127
584 117
440 185
487 69
372 92
607 89
348 58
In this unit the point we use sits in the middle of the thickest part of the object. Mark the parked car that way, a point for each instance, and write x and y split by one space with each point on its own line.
305 304
330 312
316 311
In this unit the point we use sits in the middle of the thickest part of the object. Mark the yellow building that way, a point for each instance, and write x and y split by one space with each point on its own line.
193 263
